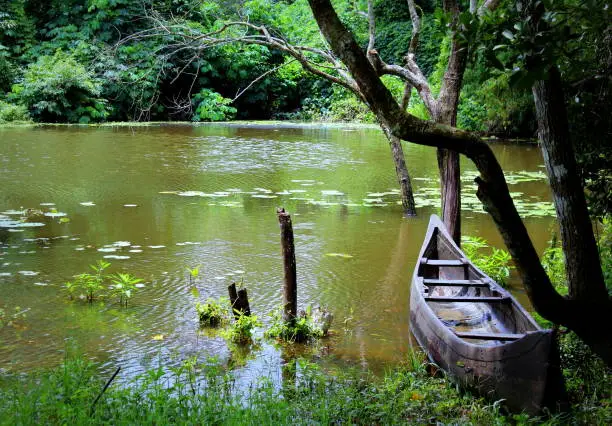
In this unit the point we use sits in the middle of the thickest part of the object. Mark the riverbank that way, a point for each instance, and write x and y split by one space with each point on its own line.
206 394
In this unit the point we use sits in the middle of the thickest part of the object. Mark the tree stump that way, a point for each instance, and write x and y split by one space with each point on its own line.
290 276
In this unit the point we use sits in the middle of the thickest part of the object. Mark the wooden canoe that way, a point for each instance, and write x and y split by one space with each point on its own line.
476 331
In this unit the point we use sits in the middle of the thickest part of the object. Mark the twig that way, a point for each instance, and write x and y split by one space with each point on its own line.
93 406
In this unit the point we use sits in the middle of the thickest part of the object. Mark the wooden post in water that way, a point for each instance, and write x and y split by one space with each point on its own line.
233 296
239 301
243 302
290 276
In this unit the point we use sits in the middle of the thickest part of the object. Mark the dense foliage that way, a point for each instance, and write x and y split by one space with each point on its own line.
94 60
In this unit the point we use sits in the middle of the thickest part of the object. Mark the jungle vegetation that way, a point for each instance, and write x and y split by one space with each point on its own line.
485 68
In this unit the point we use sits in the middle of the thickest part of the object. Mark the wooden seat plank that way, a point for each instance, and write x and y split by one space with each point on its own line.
454 283
444 262
488 336
467 299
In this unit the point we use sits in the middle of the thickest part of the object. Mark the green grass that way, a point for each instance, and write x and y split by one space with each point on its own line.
205 394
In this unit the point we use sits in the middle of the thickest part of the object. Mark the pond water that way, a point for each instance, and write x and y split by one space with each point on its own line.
158 200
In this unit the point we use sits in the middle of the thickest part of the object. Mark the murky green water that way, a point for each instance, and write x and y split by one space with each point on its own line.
185 196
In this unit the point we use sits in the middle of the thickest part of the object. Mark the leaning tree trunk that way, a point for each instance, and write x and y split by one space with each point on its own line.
401 171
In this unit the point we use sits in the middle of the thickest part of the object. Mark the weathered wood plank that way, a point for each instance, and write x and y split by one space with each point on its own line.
455 283
489 336
444 262
467 299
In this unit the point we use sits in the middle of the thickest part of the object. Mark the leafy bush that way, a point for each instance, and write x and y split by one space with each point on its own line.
553 261
211 106
59 89
496 264
605 251
213 312
240 331
11 112
306 326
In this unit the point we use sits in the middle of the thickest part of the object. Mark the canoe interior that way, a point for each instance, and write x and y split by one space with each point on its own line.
505 317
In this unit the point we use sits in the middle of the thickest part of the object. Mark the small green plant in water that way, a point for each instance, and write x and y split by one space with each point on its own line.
241 330
123 285
91 286
309 324
496 264
193 274
213 312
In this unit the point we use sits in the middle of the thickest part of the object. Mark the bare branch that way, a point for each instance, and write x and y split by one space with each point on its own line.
241 92
371 26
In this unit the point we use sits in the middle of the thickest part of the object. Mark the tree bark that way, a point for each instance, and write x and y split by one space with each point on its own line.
401 171
582 264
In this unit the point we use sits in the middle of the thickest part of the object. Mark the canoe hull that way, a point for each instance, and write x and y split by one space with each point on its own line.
516 372
520 371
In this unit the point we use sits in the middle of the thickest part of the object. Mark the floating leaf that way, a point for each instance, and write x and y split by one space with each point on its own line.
158 337
332 192
342 255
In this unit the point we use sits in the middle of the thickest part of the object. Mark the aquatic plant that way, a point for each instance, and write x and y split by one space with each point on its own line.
124 285
496 264
241 330
96 285
193 274
213 311
309 324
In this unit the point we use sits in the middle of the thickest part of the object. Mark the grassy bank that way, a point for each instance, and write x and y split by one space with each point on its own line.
196 394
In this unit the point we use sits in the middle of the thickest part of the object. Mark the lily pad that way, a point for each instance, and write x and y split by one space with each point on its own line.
332 192
107 249
28 273
55 214
342 255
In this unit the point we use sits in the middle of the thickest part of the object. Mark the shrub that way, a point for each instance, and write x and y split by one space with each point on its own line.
59 89
213 312
496 264
211 106
11 112
240 331
553 261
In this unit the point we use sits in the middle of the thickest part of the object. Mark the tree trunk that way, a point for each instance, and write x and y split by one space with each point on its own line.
403 177
448 104
450 185
582 265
